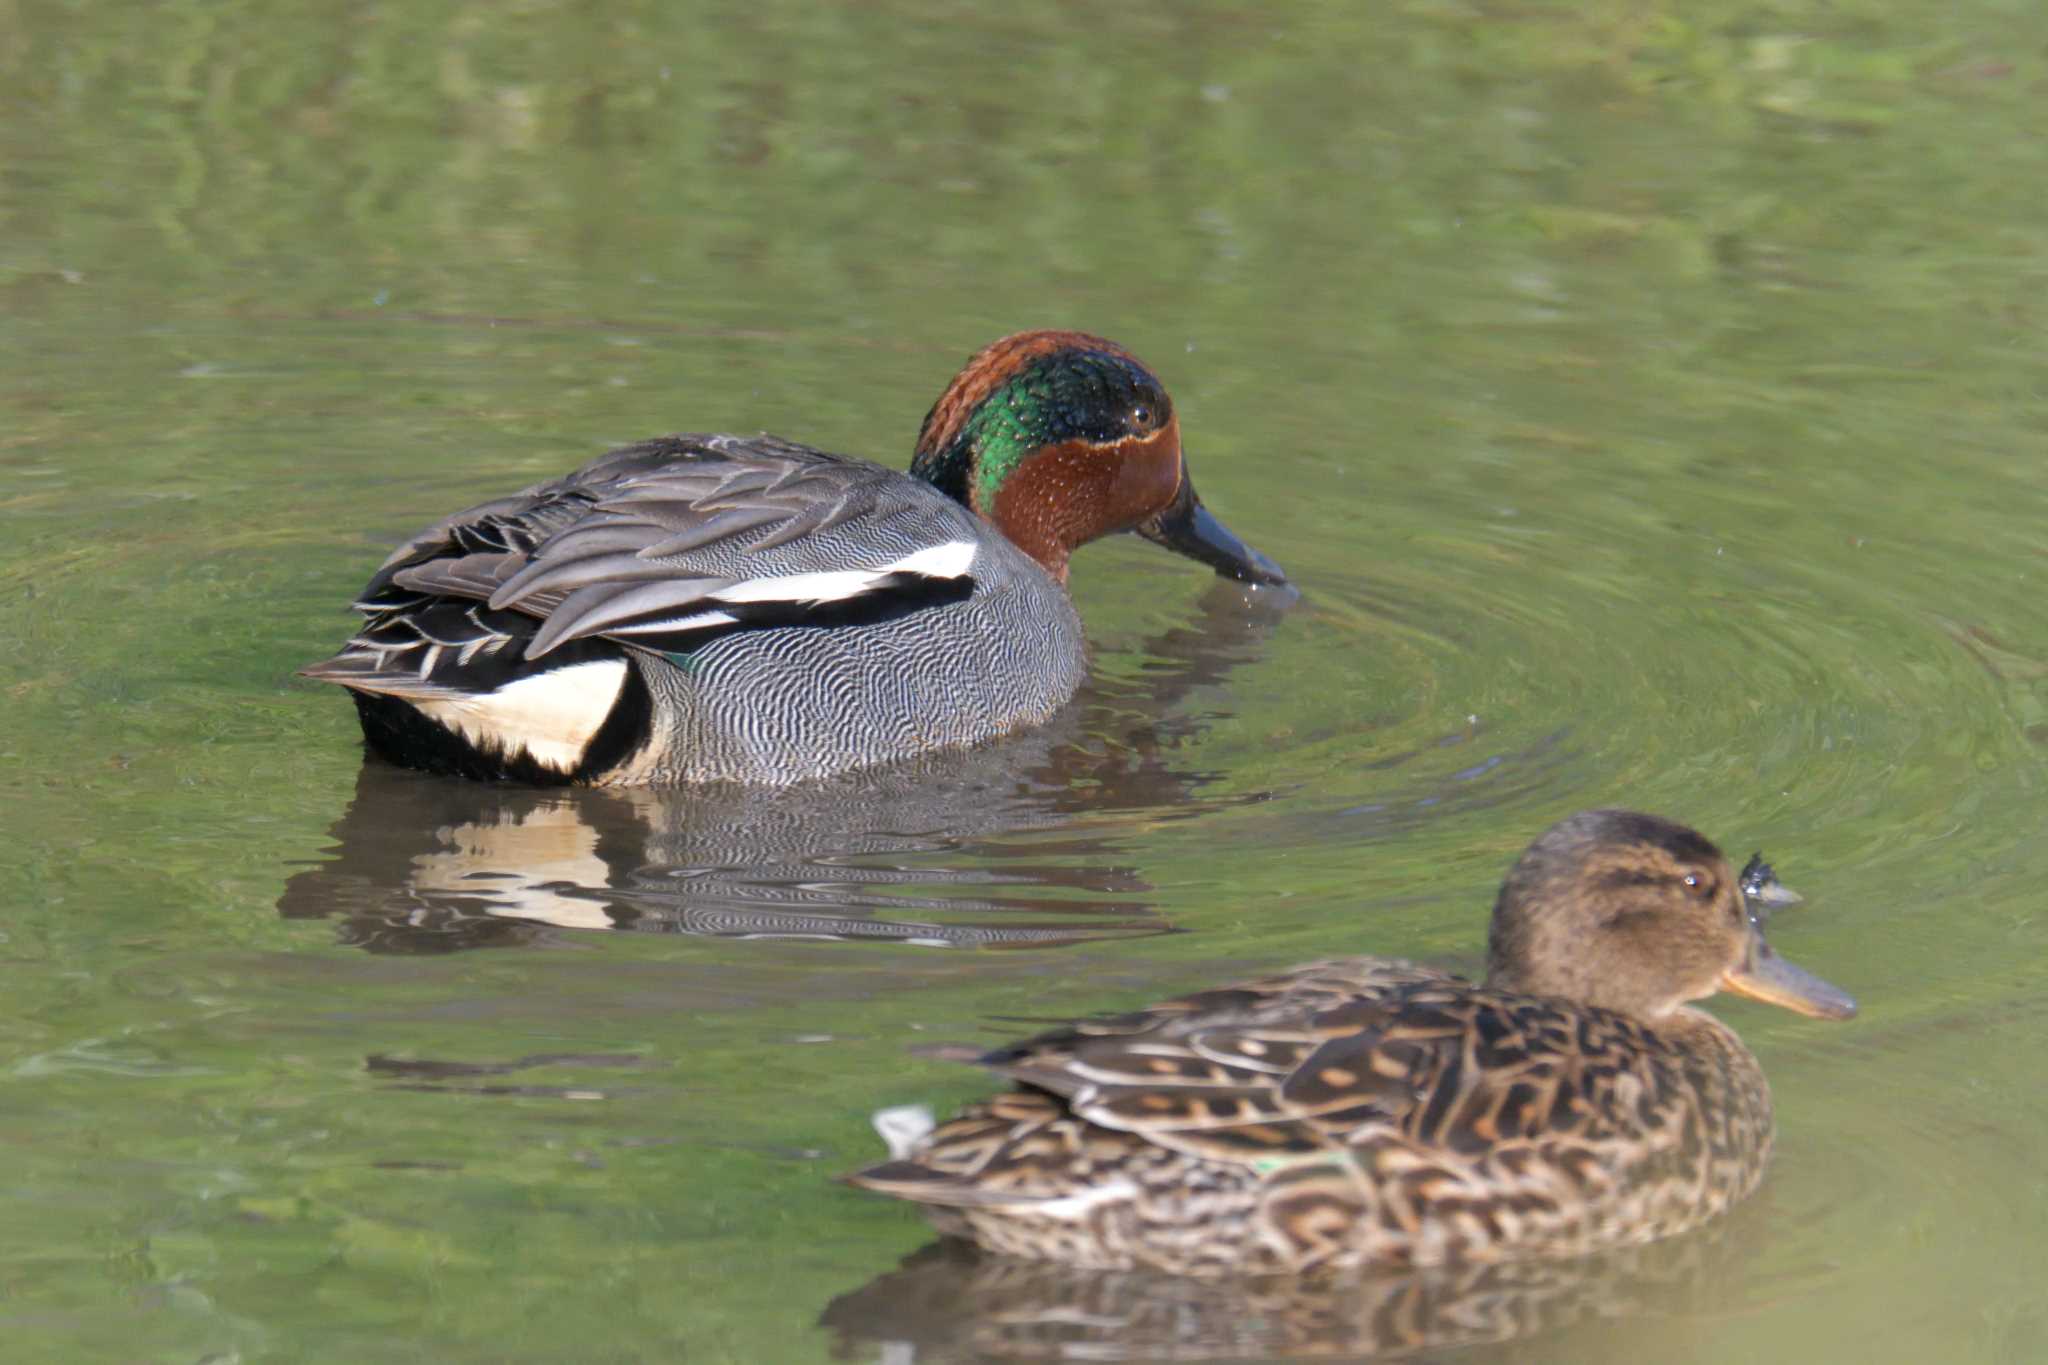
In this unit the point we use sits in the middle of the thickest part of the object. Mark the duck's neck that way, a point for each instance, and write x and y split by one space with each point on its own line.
1041 499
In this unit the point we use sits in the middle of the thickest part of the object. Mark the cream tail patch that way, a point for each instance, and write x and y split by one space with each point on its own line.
552 715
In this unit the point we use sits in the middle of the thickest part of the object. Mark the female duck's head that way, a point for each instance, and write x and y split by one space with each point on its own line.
1057 438
1638 914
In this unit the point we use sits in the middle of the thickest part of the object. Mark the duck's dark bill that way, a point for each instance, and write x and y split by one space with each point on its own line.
1187 527
1775 981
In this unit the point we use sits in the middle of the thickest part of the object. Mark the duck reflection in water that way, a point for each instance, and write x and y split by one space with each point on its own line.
949 1303
1015 843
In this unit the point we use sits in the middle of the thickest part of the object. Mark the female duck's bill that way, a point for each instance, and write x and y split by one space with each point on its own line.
1763 975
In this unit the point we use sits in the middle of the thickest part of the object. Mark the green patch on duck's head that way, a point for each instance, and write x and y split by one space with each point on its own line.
1027 393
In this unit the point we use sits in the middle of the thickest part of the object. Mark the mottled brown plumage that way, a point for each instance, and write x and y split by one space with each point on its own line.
1363 1111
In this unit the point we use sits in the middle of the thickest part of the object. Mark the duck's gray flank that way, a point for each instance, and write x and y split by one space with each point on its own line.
773 602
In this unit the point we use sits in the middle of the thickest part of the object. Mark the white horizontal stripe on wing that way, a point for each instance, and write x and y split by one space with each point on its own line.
950 560
669 623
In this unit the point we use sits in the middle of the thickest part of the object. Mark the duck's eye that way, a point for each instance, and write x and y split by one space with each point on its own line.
1142 417
1698 884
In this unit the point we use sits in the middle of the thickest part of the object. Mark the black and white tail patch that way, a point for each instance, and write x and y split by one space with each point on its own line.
552 715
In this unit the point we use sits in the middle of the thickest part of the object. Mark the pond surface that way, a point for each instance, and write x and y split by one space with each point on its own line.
1647 398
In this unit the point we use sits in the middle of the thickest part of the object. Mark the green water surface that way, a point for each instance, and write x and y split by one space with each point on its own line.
1648 399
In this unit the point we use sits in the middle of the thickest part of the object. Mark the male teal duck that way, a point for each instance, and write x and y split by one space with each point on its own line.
706 607
1362 1112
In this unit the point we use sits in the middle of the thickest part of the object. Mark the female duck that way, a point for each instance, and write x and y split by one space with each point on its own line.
709 607
1368 1112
